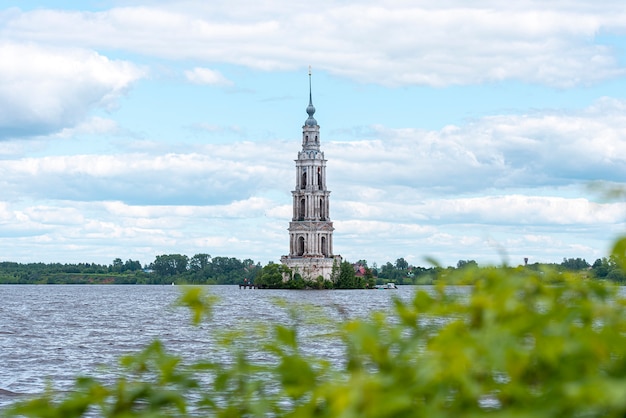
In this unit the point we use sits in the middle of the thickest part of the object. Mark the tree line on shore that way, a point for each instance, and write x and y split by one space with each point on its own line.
204 269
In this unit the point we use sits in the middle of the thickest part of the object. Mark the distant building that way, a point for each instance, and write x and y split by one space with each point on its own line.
359 270
310 229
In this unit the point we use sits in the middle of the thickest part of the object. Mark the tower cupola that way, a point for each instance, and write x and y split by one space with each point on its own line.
310 109
310 130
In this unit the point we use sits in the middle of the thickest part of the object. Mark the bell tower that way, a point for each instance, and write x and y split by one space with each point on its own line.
310 229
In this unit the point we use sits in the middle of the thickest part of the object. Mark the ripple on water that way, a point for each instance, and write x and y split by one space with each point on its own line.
54 333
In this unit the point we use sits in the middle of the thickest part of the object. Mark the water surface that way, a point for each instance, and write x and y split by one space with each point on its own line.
52 333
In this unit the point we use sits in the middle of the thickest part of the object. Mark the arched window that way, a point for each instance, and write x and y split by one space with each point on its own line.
301 246
322 214
302 209
324 249
303 181
319 177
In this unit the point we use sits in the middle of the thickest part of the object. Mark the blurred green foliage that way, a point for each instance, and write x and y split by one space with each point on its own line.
519 343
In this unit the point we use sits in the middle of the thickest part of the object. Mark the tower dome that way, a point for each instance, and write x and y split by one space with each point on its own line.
310 109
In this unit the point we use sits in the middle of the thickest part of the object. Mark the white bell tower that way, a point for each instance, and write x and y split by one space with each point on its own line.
310 229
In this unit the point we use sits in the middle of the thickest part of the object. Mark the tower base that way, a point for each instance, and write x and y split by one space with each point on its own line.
310 268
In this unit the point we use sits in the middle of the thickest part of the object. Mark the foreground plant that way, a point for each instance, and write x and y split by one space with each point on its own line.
518 344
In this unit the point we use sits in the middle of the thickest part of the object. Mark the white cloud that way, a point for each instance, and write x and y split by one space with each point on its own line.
101 231
493 153
525 210
218 175
504 186
54 215
207 76
93 125
499 186
391 43
45 89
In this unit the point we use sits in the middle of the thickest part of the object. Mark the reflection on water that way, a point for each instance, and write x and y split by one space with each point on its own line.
52 333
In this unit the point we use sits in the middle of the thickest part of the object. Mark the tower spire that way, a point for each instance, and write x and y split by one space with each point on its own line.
310 89
310 109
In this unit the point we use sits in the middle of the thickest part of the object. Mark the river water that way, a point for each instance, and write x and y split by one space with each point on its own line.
52 333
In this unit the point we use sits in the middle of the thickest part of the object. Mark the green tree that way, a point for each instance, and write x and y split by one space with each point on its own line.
375 269
389 273
617 275
131 265
271 276
575 264
170 264
601 268
199 262
369 279
295 282
117 265
466 264
347 279
401 264
227 270
608 268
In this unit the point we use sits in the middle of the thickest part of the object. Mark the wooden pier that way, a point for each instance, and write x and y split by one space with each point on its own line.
247 285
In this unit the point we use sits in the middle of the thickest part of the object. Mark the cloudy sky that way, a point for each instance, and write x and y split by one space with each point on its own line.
486 130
